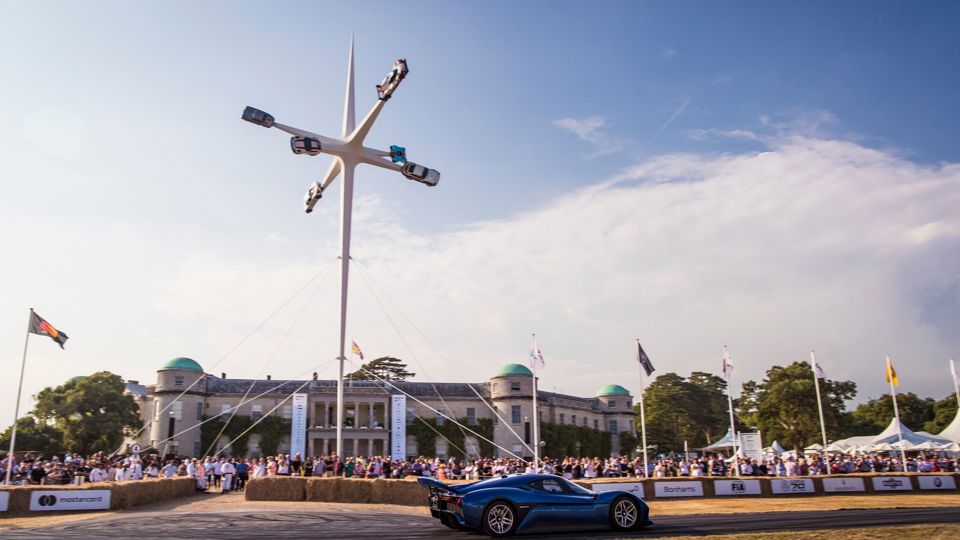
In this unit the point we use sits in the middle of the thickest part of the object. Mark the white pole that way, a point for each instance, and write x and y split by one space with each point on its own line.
896 413
643 417
686 452
536 415
346 209
956 390
733 431
823 426
16 408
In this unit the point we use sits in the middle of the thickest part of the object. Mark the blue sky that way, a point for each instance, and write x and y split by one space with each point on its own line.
124 152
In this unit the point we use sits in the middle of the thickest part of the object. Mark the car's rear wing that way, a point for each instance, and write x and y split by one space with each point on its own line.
432 484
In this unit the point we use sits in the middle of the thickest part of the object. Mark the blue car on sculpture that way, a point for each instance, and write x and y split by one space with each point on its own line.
526 502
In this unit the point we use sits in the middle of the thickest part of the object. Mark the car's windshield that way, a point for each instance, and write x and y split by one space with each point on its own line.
575 488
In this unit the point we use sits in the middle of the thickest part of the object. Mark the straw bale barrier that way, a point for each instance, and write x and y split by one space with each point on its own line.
276 488
341 490
122 494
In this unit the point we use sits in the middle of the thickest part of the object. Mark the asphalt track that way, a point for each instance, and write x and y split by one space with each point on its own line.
346 524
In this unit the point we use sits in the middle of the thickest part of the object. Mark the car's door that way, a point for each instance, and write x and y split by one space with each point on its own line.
557 503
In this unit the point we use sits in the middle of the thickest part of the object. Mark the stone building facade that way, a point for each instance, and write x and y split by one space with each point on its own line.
184 395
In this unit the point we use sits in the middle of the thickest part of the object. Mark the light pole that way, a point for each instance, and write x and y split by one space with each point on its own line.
348 151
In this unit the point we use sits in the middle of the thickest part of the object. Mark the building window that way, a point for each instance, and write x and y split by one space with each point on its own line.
611 404
471 416
177 410
561 418
517 449
288 412
199 412
225 409
629 402
178 380
196 449
596 424
573 419
516 414
440 412
156 411
613 427
256 412
514 387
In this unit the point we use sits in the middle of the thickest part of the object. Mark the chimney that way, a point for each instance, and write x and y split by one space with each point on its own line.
131 381
223 375
268 377
314 375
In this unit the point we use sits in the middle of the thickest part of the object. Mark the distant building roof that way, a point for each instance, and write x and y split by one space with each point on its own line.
612 390
182 364
78 378
137 390
514 370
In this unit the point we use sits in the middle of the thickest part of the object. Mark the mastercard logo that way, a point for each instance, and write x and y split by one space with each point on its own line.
49 329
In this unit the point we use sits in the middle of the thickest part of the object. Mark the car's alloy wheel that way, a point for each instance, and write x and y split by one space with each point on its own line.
500 519
625 514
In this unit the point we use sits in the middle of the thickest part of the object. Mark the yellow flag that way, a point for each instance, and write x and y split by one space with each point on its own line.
892 373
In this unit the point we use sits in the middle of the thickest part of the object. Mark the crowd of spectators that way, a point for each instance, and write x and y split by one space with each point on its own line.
226 474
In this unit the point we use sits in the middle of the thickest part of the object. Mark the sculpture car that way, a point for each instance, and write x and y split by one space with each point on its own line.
390 83
421 174
527 502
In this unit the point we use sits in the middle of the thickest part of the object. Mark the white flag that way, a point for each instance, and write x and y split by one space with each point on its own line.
816 367
727 365
536 357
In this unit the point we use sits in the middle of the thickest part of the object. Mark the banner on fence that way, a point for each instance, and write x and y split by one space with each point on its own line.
79 499
4 501
843 485
736 487
791 486
937 482
678 489
298 426
398 426
634 487
892 483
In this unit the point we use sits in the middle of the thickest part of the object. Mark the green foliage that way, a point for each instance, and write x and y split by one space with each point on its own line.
784 405
679 409
875 415
628 443
387 368
943 413
561 441
92 412
422 429
34 437
271 429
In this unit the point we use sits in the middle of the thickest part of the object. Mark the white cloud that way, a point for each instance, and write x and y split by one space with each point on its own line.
812 244
589 130
668 52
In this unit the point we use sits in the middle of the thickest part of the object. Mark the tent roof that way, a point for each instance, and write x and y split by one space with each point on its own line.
952 432
725 442
890 435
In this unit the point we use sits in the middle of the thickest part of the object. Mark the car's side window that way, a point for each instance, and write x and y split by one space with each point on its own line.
551 486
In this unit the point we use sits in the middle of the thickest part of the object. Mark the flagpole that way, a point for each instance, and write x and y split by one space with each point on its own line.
896 412
733 430
823 425
536 430
643 416
956 390
16 409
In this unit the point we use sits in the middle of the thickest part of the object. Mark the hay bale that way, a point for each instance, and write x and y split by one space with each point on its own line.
353 490
276 488
321 489
138 493
394 492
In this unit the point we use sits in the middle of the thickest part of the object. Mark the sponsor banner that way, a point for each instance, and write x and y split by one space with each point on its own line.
633 487
736 487
937 482
892 483
785 486
843 485
398 426
750 446
678 489
4 500
298 426
79 499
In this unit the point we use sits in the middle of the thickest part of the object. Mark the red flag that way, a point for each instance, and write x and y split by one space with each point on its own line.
41 327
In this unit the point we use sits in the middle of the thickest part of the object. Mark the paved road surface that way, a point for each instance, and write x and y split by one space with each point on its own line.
345 524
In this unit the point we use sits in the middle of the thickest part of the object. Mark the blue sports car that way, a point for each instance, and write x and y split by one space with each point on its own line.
524 502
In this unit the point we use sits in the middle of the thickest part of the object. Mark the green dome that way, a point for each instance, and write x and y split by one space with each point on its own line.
613 390
514 370
182 364
78 378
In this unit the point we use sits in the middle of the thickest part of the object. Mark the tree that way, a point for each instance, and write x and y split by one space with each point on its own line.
784 405
875 415
92 412
387 368
34 437
944 412
679 410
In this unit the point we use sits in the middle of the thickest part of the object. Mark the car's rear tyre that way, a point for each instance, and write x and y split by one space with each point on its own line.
500 519
624 514
450 521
